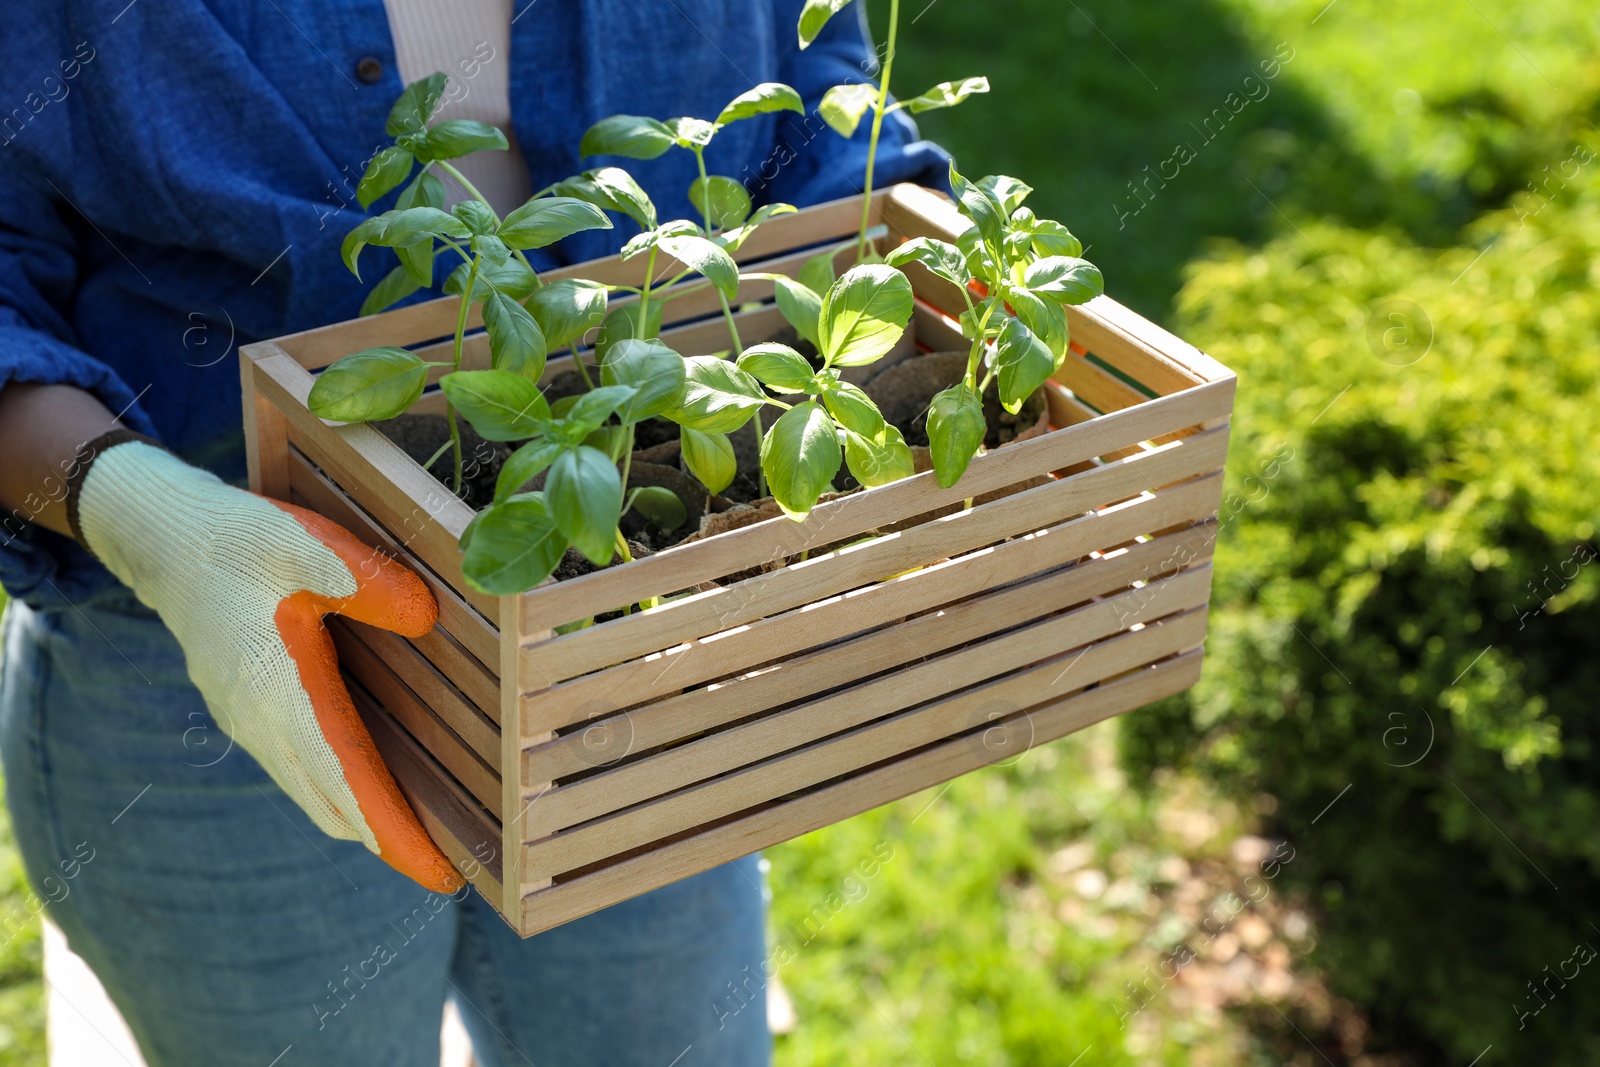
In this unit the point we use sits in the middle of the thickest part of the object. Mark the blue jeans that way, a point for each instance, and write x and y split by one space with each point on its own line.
229 930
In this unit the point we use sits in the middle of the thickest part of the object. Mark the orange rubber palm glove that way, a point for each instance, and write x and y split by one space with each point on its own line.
243 582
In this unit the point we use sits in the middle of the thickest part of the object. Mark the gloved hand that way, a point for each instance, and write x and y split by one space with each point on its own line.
243 583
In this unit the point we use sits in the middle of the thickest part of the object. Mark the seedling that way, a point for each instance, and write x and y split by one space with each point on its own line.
1017 263
859 320
843 106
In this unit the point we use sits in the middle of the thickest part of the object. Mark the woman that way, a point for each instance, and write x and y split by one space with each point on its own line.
175 179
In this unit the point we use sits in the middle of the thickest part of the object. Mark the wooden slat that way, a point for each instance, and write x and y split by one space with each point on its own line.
373 471
481 779
742 649
865 745
698 710
815 579
1095 386
458 620
546 908
265 432
850 516
748 743
469 837
468 721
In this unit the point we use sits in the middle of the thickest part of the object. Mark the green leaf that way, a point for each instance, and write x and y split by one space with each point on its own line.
460 137
946 94
567 309
814 16
1047 320
980 207
622 323
515 545
709 457
763 99
1050 238
878 461
416 105
632 136
863 315
545 221
513 278
718 397
1023 363
1009 193
980 260
722 202
365 232
843 105
940 257
516 343
690 132
780 367
955 432
377 383
732 239
817 274
655 372
800 455
501 405
491 249
593 408
476 216
424 191
396 286
614 189
414 225
416 259
660 506
1065 279
708 258
800 307
523 465
584 493
971 320
853 409
388 169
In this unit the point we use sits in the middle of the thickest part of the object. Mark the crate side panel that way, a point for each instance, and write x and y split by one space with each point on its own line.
581 895
742 649
821 577
934 675
604 741
971 708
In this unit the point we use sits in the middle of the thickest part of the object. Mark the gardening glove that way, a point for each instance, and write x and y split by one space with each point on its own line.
243 582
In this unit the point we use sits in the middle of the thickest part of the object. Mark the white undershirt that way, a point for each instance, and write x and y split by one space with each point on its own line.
470 40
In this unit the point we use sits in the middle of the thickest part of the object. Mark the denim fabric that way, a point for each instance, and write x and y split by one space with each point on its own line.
176 177
228 930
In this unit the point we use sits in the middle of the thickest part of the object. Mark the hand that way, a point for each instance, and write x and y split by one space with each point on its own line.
243 583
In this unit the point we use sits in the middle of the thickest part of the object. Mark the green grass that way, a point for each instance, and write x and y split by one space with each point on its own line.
21 991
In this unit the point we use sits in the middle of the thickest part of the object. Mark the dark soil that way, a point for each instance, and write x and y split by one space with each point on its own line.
420 436
903 391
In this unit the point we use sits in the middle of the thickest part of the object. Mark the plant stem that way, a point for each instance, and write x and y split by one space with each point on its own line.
644 293
455 365
472 191
879 109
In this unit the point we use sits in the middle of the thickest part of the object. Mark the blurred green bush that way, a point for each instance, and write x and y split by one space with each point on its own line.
1405 646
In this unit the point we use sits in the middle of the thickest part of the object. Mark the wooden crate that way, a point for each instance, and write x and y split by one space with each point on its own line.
567 773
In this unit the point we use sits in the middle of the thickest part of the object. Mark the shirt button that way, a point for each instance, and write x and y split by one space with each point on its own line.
369 69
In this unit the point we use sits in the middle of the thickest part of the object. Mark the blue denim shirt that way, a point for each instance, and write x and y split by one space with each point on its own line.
176 177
